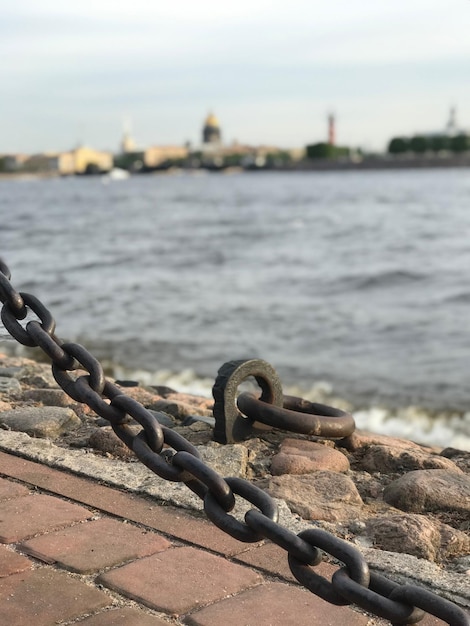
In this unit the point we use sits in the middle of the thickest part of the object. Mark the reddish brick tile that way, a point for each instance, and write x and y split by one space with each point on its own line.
29 515
123 617
167 519
273 559
9 489
275 603
43 596
12 562
268 557
180 579
430 620
89 547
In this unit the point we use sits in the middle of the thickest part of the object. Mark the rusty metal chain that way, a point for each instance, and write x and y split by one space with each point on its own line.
173 458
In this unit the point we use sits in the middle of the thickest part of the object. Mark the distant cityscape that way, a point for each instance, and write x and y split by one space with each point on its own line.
449 146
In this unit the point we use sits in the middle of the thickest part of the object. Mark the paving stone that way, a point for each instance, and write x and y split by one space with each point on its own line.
50 422
179 580
43 597
171 520
273 559
12 562
30 515
123 617
91 546
9 489
275 603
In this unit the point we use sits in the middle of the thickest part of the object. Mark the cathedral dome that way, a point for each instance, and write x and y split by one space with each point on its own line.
212 121
211 133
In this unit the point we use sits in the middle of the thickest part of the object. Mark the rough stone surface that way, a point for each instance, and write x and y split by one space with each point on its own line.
322 495
376 462
417 535
48 422
299 456
179 410
388 459
360 439
49 397
227 461
106 441
9 385
459 457
430 490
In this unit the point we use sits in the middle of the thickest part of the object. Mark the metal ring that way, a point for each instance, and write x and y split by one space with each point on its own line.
4 269
283 537
299 416
156 462
366 598
10 295
50 345
88 362
356 565
147 420
10 319
431 603
230 425
216 485
228 523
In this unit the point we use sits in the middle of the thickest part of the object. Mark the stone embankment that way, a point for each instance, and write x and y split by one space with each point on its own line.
404 505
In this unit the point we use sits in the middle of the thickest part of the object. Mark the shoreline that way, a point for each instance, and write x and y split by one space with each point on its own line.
384 162
359 488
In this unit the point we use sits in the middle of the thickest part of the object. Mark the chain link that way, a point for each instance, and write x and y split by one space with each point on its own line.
173 458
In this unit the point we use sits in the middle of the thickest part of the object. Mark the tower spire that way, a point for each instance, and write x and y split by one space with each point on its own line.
331 129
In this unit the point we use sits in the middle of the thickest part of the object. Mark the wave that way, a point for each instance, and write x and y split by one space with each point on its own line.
393 278
460 298
423 426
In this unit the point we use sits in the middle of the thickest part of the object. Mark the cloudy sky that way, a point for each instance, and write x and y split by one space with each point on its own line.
270 70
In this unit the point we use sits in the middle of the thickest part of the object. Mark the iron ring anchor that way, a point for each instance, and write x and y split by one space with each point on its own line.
272 409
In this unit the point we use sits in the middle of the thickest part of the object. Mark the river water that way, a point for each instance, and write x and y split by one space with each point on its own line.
354 283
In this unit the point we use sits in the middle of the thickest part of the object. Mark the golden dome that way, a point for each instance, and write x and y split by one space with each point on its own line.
212 121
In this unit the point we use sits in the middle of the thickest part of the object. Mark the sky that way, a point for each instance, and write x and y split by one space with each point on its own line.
270 70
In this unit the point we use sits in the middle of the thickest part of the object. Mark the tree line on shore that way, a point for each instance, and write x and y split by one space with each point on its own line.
420 144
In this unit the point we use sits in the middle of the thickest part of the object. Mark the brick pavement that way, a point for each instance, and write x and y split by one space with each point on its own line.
75 551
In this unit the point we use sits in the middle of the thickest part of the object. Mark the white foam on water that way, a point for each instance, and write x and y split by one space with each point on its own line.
444 429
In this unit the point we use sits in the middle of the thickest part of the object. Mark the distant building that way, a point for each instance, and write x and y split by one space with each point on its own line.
157 155
211 133
14 162
331 130
82 160
127 142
